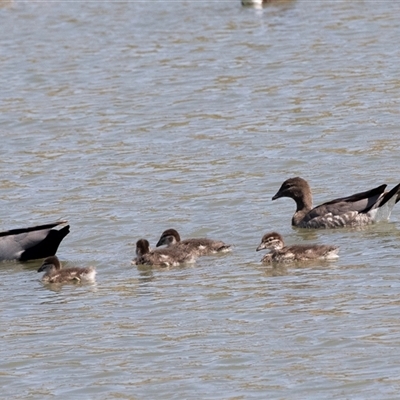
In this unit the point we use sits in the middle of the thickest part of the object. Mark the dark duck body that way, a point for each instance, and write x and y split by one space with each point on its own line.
280 253
202 246
54 273
33 242
167 257
359 209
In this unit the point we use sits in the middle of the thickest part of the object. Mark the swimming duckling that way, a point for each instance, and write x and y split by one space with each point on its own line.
33 242
281 253
56 274
168 257
203 246
356 210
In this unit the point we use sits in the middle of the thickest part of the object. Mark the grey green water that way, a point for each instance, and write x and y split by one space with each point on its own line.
129 118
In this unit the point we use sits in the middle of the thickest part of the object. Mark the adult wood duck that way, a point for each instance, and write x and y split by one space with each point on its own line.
359 209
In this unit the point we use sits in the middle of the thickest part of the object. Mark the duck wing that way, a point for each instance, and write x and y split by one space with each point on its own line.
355 210
360 202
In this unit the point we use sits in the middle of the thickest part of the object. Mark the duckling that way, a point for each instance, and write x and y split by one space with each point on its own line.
56 274
203 246
281 253
359 209
33 242
168 257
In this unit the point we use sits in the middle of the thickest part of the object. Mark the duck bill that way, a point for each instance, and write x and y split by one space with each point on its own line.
43 267
277 196
160 242
261 246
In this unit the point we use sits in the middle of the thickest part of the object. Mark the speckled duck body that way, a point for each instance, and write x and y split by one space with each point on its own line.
167 257
202 246
280 253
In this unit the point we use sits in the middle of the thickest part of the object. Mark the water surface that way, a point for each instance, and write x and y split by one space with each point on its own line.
129 118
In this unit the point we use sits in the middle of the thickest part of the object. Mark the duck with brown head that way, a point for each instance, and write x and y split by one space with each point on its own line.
203 246
280 253
359 209
54 273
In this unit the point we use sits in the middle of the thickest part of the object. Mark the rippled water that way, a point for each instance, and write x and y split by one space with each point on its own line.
129 118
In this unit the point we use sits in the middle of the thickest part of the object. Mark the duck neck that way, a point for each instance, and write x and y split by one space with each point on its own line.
303 207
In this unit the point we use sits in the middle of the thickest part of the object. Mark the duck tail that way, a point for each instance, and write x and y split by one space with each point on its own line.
393 194
46 247
225 248
388 201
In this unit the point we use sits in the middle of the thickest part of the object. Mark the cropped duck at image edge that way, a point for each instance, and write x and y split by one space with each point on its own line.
32 243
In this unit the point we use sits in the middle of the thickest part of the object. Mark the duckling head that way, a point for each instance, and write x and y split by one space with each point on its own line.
50 263
272 241
142 247
168 237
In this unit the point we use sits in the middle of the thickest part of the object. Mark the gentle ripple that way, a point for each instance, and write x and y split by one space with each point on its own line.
129 118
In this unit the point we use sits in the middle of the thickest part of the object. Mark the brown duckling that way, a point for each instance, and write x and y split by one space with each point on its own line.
168 257
54 273
203 246
356 210
281 253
